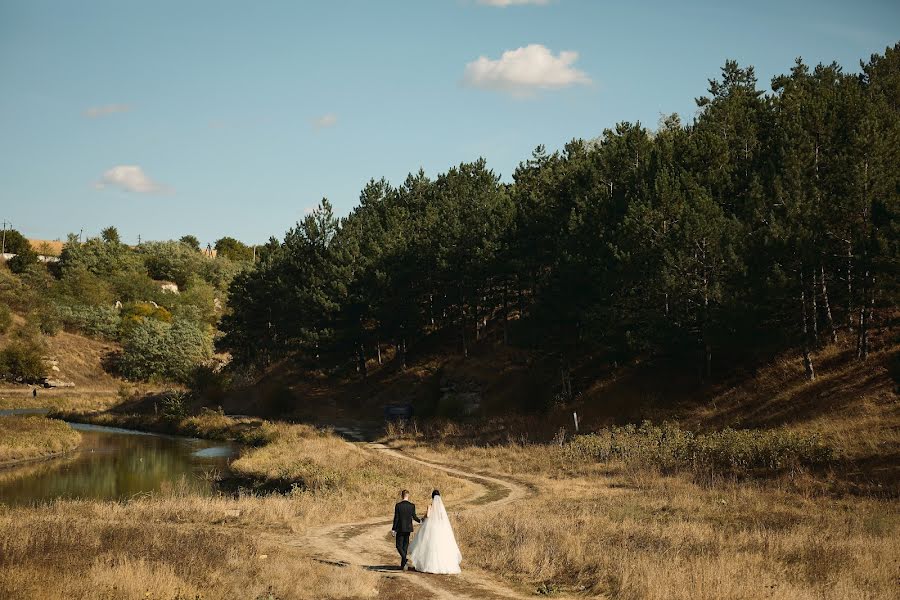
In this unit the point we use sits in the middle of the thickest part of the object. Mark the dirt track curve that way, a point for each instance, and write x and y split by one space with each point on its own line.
368 543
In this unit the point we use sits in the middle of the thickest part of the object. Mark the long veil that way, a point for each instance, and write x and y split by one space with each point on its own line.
434 548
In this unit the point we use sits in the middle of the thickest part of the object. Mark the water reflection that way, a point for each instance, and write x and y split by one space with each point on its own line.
116 464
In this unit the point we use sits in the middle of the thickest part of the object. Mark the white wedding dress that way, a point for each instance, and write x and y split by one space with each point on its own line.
434 549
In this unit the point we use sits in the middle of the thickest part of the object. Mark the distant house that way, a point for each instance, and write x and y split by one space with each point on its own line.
41 257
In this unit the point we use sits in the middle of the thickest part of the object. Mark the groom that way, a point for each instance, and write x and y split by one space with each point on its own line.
404 515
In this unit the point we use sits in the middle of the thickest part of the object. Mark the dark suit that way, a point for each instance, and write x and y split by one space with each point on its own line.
404 515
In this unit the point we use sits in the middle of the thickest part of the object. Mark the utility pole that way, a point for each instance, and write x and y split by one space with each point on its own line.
5 223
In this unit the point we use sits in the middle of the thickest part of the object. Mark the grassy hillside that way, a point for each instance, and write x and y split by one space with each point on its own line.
80 360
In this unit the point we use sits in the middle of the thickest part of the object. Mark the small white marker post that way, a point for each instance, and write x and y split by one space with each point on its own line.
575 416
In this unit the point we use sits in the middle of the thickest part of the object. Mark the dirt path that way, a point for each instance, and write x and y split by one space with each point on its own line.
368 543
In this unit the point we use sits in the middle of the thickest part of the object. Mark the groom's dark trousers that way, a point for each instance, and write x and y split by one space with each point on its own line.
404 515
402 547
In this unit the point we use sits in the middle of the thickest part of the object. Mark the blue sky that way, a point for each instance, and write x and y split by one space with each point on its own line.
233 118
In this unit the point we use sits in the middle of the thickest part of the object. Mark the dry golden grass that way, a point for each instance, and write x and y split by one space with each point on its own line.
57 399
853 405
33 437
185 546
634 534
164 548
314 463
356 483
182 546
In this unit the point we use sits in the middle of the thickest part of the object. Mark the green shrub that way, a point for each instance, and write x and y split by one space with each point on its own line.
14 293
5 318
670 448
22 361
155 349
135 312
46 319
174 405
101 322
80 286
22 261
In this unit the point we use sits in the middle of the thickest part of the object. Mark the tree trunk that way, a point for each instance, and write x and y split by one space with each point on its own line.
814 311
807 358
431 308
566 380
866 310
378 351
477 319
849 285
827 306
362 361
505 313
707 348
707 362
462 329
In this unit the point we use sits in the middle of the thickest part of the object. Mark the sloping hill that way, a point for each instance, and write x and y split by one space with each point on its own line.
71 358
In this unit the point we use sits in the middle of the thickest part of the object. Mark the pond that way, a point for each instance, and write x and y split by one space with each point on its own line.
118 464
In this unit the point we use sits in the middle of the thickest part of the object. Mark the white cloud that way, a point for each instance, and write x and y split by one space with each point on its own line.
505 3
325 121
130 178
524 70
107 109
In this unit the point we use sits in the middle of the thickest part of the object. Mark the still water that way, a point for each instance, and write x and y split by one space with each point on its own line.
117 464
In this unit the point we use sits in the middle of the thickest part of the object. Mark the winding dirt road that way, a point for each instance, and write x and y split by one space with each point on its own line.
368 543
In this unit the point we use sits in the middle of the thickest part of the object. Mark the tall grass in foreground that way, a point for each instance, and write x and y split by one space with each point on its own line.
178 546
164 548
628 529
30 437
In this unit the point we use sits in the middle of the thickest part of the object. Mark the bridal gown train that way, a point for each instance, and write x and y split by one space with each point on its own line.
434 549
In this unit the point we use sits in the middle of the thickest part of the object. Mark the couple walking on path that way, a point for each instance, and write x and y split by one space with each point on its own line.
433 549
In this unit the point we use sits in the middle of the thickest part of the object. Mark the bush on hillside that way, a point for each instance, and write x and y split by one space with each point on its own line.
46 318
198 302
171 261
154 349
80 286
5 318
99 322
136 286
14 293
100 257
23 261
22 361
136 312
729 451
14 242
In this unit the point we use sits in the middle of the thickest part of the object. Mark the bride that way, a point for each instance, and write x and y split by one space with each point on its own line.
434 548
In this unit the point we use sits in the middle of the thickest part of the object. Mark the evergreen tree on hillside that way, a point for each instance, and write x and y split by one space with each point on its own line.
768 222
